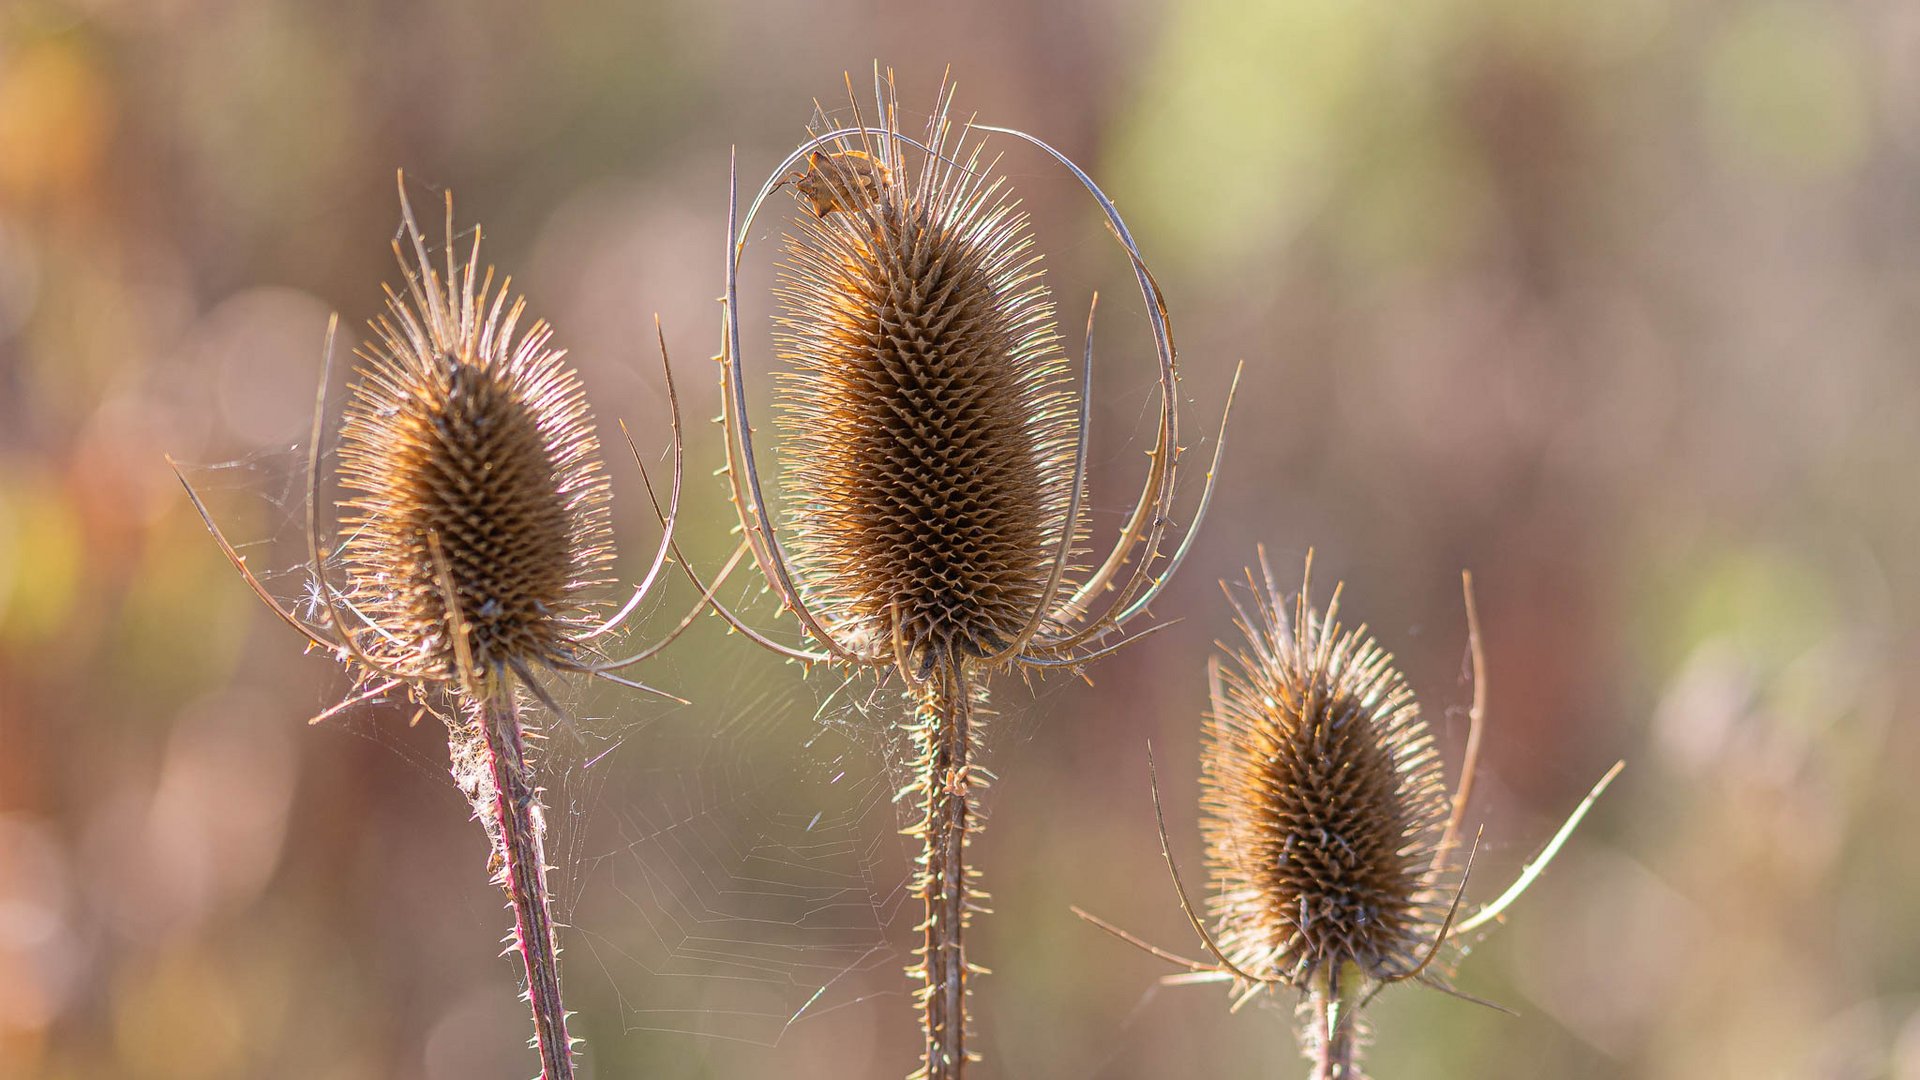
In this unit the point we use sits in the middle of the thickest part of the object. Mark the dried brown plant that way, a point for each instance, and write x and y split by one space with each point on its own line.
477 557
933 468
1332 843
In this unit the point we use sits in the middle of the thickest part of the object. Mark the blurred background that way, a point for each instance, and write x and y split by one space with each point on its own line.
1612 303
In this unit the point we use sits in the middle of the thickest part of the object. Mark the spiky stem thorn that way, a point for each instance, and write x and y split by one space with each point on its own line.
945 732
523 873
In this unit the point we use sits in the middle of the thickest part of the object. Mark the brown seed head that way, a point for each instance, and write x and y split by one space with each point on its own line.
459 436
926 400
1322 801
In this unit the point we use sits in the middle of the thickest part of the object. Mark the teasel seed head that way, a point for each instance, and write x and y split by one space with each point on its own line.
1334 850
1323 803
471 469
927 401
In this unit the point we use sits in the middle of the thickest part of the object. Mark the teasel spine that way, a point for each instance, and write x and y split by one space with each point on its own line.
507 801
518 809
946 733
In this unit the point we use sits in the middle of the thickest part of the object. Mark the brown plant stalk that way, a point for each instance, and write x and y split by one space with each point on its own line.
476 558
517 809
944 729
933 469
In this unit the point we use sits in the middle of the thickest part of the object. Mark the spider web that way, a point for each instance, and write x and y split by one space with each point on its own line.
745 874
725 869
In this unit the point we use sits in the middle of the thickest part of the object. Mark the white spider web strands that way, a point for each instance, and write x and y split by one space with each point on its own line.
726 870
722 870
737 868
259 501
745 871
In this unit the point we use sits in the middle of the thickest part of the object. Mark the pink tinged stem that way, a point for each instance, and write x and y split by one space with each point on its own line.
522 829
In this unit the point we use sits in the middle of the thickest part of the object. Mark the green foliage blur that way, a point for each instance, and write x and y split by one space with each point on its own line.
1612 303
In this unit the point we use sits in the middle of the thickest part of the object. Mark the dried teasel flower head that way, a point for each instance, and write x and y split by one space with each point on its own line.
1323 804
1333 846
934 437
477 543
473 474
927 406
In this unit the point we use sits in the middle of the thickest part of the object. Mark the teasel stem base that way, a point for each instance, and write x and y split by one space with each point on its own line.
945 731
520 838
1331 1042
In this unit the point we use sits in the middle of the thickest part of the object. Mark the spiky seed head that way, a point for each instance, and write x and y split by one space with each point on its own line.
1323 801
461 437
925 399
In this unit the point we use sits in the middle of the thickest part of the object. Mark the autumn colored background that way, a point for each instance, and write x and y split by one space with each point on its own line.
1613 303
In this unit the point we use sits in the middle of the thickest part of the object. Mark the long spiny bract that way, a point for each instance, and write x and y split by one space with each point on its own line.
928 405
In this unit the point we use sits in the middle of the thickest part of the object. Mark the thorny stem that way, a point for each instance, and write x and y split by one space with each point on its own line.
944 733
1331 1045
520 845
